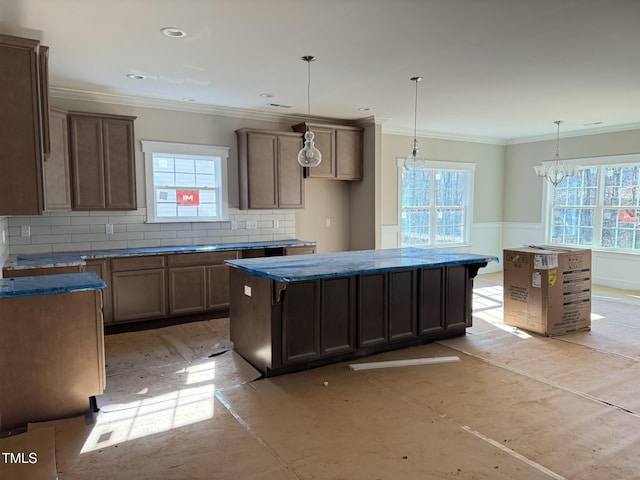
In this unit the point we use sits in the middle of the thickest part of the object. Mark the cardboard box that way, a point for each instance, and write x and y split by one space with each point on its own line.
547 289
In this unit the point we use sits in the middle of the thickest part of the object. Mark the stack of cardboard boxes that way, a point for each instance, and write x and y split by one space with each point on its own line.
547 289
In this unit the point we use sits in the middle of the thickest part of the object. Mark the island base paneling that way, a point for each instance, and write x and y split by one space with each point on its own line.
286 327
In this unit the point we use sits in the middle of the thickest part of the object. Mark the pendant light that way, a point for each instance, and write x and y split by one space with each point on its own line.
555 171
414 160
309 156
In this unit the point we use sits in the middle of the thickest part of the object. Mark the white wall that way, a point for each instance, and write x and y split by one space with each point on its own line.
523 198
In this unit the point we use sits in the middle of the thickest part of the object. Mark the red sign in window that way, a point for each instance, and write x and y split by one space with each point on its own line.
190 198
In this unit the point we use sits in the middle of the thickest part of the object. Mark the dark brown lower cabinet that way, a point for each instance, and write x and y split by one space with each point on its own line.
281 328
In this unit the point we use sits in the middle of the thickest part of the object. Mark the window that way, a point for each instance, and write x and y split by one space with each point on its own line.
435 204
598 208
185 183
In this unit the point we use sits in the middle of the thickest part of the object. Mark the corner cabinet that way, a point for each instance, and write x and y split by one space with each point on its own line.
341 148
102 161
24 124
270 176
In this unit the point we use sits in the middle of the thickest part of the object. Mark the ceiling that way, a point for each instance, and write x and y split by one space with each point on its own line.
498 71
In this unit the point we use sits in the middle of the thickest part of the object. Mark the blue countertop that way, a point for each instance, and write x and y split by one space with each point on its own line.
341 264
42 260
50 284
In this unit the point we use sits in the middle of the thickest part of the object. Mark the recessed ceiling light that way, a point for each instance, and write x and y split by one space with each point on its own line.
266 95
364 109
136 76
187 99
173 32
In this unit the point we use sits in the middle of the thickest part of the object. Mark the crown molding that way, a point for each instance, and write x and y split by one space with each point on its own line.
445 136
576 133
118 99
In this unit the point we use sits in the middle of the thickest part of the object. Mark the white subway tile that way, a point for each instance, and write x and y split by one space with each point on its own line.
51 239
91 220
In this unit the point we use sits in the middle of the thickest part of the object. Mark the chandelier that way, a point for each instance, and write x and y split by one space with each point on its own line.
555 171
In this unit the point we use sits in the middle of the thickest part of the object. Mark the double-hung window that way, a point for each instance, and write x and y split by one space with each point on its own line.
185 183
599 207
435 204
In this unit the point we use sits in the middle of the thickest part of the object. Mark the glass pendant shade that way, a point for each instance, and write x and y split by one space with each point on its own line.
309 156
414 160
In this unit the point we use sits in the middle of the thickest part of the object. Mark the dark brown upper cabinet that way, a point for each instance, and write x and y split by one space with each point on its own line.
24 124
102 157
341 149
270 176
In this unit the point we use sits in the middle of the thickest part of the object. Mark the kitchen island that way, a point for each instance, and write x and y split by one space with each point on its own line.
51 347
293 313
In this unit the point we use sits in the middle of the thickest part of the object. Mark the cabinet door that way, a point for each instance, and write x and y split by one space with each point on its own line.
458 296
372 316
402 305
218 294
187 291
20 116
119 164
348 154
57 188
338 319
261 170
87 167
102 161
431 301
301 322
325 142
290 173
138 295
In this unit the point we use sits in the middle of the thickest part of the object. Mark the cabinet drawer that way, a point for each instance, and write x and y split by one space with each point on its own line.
200 259
137 263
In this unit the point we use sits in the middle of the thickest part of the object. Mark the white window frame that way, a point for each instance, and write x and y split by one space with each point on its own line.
150 147
548 191
467 167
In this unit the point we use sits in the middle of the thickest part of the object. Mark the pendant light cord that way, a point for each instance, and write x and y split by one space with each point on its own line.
415 114
308 93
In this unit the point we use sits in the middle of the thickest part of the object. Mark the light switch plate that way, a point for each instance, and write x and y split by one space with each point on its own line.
252 224
25 231
247 290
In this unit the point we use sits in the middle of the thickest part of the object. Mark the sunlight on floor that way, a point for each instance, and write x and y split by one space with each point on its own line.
159 413
487 305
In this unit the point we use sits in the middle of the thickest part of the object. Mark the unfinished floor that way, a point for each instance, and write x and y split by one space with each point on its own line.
515 406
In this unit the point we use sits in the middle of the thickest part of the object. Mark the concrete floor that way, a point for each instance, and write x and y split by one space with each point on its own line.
515 406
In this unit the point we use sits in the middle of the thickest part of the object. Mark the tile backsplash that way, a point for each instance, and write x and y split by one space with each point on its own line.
79 231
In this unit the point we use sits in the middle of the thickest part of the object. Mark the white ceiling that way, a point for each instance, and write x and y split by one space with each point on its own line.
494 70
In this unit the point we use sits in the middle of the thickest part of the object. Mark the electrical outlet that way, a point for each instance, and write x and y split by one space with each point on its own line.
252 224
234 225
25 231
109 228
276 224
4 240
327 222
